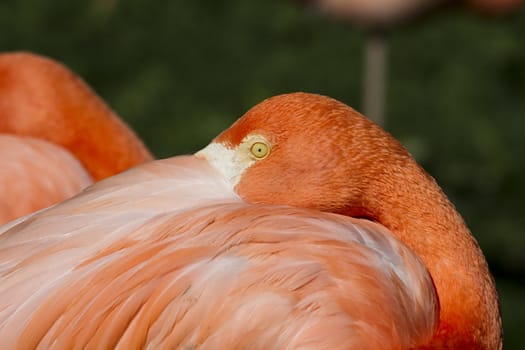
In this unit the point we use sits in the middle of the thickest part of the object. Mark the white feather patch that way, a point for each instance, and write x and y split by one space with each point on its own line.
230 162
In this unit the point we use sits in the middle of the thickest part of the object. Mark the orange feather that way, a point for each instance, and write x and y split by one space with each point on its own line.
236 248
54 130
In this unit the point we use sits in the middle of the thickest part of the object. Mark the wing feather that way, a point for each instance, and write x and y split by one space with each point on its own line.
167 256
35 174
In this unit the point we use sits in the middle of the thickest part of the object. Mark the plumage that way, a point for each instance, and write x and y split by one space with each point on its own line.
207 271
47 114
236 248
379 13
35 173
387 13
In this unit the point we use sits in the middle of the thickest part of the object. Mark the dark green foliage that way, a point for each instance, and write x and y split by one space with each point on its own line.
181 71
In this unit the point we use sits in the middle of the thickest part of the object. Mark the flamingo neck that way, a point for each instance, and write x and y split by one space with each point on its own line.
410 203
43 99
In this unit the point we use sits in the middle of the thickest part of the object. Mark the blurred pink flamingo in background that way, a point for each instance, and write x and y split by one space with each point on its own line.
56 135
378 17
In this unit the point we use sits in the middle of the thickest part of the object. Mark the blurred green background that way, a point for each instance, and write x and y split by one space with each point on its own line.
181 71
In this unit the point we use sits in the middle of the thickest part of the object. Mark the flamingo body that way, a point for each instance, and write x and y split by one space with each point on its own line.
210 272
375 13
36 174
388 13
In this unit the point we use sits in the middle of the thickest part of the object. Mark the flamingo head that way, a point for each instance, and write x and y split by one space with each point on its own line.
305 150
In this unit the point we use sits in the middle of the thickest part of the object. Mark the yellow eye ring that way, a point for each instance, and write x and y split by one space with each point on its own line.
260 150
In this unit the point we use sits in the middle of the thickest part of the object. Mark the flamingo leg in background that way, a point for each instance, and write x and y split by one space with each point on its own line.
375 76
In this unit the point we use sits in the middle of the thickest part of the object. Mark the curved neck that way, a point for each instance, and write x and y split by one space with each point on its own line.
43 99
409 202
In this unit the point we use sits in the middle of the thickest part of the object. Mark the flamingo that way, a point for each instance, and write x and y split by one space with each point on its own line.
303 225
56 135
378 17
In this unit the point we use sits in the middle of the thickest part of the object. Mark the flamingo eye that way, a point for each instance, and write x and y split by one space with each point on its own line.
260 150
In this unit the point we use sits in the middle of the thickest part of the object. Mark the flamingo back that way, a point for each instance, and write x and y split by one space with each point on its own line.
166 255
